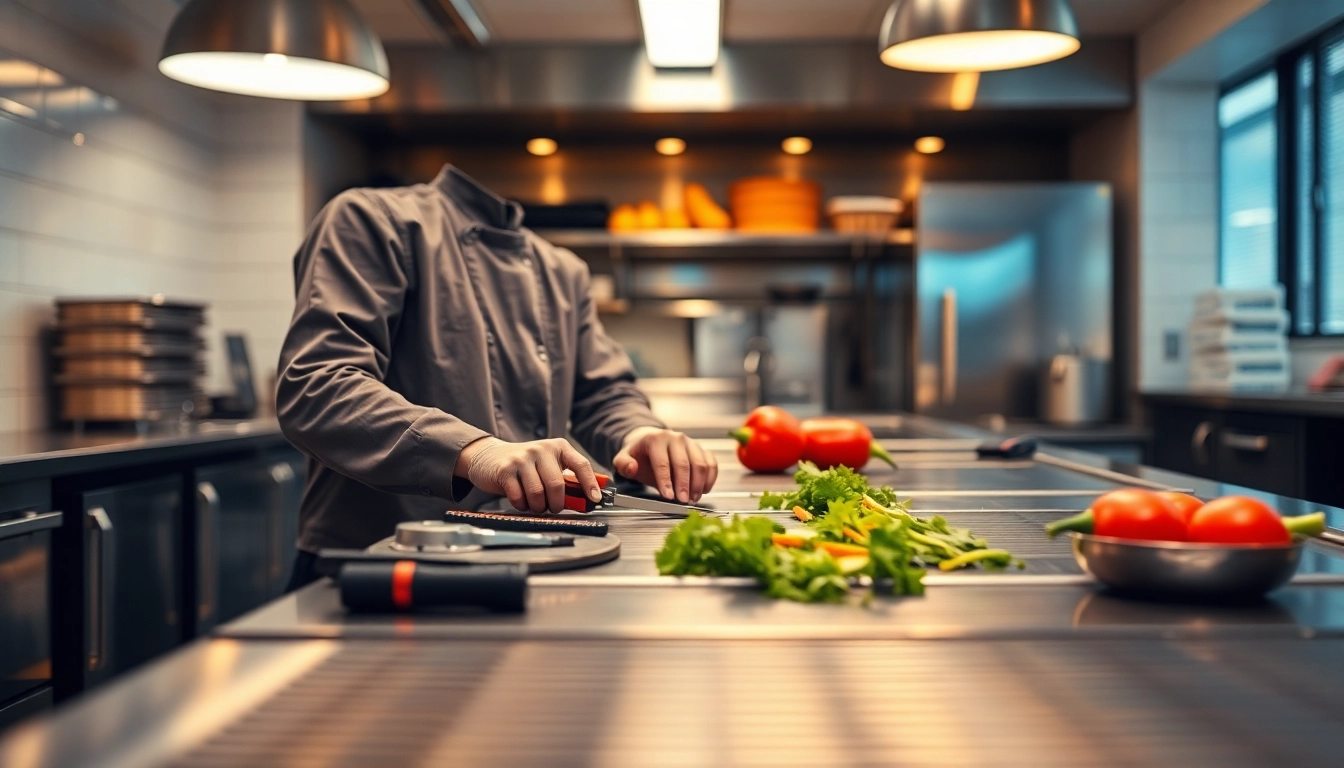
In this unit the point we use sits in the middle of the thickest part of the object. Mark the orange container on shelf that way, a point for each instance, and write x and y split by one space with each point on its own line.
773 204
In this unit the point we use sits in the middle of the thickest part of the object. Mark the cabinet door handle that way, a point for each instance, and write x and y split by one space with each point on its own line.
949 351
207 547
1199 442
1242 442
100 585
283 475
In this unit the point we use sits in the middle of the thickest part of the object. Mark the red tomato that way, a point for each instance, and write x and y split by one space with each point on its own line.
1186 504
1133 513
1238 520
771 440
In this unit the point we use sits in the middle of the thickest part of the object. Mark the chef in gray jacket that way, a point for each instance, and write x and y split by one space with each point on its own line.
438 354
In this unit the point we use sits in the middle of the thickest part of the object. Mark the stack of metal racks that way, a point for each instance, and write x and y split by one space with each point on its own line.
129 360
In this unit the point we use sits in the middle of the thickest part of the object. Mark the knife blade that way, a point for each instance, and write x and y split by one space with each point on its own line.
577 501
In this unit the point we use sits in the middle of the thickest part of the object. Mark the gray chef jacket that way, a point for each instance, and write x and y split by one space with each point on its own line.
425 318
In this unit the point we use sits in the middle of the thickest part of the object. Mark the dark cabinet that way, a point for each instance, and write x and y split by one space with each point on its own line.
26 524
246 524
1260 451
133 575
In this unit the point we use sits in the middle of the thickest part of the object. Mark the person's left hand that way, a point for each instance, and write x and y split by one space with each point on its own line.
671 462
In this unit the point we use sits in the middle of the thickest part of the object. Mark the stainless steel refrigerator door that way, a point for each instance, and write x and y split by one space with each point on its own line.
1007 275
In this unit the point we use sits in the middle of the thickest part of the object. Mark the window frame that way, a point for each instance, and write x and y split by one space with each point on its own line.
1284 65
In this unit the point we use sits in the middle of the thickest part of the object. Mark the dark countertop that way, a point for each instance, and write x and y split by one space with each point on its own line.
613 665
25 455
1299 403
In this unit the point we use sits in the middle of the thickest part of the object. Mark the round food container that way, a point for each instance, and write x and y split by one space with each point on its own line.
864 214
1187 570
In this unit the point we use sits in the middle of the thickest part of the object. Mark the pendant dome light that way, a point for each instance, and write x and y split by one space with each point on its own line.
976 35
285 49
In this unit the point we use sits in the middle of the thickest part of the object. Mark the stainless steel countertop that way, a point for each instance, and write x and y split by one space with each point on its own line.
1294 403
24 455
614 665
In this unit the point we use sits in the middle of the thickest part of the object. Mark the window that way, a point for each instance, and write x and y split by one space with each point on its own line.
1331 182
1281 185
1249 184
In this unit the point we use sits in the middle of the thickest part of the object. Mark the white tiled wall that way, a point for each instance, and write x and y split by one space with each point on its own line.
174 191
1178 230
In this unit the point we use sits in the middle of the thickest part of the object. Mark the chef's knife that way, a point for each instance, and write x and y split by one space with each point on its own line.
577 501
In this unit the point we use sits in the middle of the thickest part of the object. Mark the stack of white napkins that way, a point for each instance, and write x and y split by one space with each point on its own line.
1238 341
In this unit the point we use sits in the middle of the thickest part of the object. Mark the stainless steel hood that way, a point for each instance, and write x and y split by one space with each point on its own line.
840 77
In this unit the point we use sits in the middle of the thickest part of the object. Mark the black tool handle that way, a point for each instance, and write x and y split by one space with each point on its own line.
407 585
1012 448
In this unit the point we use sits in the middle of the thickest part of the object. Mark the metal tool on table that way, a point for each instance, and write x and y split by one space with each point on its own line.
577 501
446 537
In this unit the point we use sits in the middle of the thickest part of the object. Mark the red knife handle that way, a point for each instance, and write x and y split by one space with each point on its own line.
576 500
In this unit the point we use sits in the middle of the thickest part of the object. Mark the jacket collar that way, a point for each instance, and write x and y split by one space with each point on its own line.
482 205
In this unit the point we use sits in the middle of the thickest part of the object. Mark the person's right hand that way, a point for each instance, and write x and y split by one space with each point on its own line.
531 474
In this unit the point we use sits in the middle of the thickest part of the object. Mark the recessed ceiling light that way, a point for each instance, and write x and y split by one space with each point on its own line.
929 145
317 51
976 35
681 33
542 147
796 145
670 146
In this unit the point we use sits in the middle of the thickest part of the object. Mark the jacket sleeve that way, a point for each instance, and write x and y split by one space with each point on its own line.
607 403
352 275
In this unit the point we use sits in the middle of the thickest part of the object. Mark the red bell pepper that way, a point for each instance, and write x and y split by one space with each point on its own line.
1238 520
831 442
771 440
1129 513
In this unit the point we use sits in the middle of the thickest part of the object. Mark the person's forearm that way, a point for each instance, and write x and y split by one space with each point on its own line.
359 427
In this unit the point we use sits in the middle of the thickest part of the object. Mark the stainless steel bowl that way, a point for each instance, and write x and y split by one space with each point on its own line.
1188 571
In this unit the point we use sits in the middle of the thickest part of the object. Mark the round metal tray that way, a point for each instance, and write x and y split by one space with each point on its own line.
587 551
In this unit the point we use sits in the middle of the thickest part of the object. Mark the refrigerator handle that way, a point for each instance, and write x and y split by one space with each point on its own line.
949 361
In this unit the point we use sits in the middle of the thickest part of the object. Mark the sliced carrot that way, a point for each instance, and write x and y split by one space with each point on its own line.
787 540
836 549
802 514
855 536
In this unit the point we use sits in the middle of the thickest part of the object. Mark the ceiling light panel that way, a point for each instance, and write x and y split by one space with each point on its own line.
681 33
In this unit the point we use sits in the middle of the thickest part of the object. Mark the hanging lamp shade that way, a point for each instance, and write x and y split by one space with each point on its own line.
285 49
976 35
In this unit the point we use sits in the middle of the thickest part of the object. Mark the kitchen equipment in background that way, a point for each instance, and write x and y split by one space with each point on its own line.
26 527
1002 272
868 214
775 204
796 377
689 401
719 342
128 360
1075 390
242 402
1238 341
578 215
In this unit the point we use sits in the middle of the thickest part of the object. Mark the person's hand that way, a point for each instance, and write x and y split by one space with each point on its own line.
531 474
671 462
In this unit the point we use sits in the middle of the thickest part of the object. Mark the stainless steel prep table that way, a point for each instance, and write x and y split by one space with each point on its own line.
615 666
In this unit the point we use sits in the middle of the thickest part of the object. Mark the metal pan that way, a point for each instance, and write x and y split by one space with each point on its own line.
1188 571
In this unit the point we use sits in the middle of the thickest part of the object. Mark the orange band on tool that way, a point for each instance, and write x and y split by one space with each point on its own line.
403 573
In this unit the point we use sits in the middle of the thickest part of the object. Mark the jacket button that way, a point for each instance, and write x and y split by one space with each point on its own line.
489 338
540 431
426 492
